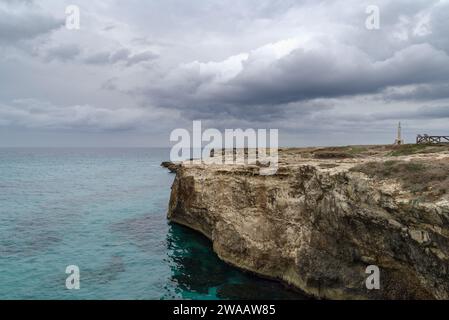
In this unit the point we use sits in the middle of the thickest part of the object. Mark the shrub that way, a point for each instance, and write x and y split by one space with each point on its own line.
431 177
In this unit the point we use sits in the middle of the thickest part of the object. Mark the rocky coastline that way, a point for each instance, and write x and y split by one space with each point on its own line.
325 216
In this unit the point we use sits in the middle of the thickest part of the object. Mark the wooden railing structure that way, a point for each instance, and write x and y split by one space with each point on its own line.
426 139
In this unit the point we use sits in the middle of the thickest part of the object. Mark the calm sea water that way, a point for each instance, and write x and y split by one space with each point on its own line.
104 210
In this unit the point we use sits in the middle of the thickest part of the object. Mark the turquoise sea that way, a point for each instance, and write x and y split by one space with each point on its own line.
104 210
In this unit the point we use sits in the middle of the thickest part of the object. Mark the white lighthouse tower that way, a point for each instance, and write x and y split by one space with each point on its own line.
399 141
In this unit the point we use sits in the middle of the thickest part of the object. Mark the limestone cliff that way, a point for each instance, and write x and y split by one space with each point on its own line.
323 218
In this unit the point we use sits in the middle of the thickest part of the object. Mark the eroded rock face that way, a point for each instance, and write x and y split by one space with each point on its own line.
171 166
317 226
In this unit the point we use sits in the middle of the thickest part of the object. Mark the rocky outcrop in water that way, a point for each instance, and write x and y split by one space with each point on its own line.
319 222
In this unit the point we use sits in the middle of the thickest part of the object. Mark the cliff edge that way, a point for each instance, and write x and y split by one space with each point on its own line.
326 215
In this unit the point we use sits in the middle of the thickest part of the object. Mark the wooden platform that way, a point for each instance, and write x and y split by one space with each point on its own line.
426 139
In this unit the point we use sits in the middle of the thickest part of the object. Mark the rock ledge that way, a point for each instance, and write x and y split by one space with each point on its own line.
318 223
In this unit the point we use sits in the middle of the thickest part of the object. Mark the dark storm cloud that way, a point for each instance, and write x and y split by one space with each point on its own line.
333 72
304 67
408 50
303 75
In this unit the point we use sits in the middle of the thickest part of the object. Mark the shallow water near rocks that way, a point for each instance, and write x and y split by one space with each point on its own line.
104 210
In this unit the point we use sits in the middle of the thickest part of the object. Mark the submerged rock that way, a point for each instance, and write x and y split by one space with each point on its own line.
318 224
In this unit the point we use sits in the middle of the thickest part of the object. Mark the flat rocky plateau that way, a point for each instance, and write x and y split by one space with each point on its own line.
325 216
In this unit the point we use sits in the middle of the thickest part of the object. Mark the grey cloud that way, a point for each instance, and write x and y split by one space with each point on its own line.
27 23
422 113
303 75
63 52
31 113
120 56
355 63
140 57
438 25
98 58
300 76
426 115
424 92
227 65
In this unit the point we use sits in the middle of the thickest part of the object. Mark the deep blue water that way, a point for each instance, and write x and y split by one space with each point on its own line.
104 210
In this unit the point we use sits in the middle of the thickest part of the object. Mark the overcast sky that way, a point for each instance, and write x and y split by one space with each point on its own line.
137 69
